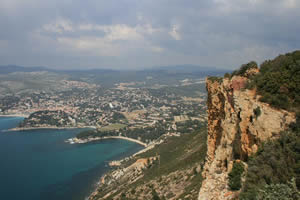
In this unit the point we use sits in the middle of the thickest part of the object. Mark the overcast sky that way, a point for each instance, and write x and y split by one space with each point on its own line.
121 34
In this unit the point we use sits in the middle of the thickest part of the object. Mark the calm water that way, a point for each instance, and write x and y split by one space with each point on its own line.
40 165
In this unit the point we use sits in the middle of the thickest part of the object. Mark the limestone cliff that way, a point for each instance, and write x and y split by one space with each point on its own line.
237 123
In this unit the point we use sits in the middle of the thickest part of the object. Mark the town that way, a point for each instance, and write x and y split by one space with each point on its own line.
125 107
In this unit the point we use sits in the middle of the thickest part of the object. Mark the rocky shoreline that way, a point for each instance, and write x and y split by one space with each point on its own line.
115 163
118 172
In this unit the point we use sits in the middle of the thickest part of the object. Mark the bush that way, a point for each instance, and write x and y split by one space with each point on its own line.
278 81
276 162
257 112
244 68
155 195
227 75
133 191
287 191
235 176
215 78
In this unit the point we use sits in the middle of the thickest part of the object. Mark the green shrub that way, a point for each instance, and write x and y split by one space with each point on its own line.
155 195
278 81
235 176
257 112
215 78
287 191
227 75
123 196
244 68
250 85
133 191
276 162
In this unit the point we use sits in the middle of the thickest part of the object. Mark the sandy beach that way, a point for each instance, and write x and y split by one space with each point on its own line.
126 138
15 115
82 141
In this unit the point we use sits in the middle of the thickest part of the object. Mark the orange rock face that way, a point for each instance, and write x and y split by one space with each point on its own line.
237 124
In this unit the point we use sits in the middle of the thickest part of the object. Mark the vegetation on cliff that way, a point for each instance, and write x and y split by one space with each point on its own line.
235 182
275 164
274 170
287 191
278 81
244 69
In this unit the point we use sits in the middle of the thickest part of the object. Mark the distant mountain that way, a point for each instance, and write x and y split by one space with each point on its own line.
169 69
13 68
188 69
165 75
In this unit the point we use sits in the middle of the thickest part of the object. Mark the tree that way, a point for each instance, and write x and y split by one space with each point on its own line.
235 176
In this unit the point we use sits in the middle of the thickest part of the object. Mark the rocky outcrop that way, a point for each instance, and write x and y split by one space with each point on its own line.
237 123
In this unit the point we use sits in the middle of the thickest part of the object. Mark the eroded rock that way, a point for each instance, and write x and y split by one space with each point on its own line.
237 123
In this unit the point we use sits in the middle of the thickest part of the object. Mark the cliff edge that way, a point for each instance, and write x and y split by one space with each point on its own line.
237 124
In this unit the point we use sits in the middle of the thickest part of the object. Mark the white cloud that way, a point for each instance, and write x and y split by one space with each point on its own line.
121 32
87 27
101 40
112 32
147 29
157 49
59 26
71 31
174 32
91 45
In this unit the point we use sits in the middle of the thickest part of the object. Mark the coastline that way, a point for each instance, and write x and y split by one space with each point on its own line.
47 127
117 163
83 180
82 141
15 115
112 163
146 147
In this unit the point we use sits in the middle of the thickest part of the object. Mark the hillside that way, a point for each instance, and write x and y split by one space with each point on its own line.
29 82
171 170
16 78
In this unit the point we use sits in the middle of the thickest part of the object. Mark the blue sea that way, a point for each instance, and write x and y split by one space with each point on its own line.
38 164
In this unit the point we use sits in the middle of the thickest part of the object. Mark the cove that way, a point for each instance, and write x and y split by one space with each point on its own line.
38 164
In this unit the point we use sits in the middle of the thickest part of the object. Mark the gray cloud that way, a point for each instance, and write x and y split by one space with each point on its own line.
143 33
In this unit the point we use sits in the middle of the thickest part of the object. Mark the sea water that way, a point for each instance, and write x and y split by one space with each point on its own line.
39 164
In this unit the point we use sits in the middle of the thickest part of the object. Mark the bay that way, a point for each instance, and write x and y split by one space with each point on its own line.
38 164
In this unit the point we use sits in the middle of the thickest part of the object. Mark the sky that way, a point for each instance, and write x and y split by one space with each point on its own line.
136 34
